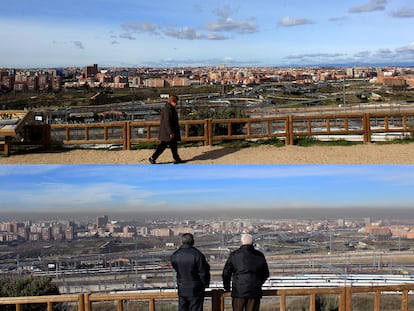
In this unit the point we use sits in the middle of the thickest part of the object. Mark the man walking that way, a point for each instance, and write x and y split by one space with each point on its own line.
248 270
193 274
169 134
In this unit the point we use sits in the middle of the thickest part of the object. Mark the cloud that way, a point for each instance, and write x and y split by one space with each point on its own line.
142 27
211 31
373 5
108 194
406 50
405 12
78 45
288 22
225 11
316 55
200 62
339 19
225 23
216 36
383 53
230 25
398 55
184 33
126 36
362 54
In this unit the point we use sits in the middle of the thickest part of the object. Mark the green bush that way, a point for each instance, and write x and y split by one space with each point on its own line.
17 286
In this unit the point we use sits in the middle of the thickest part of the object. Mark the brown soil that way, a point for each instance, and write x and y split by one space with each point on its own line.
356 154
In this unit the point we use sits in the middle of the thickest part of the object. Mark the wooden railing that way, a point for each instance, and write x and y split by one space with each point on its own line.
288 128
208 132
86 301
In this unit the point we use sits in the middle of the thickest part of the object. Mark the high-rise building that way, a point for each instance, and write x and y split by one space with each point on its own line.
101 221
90 71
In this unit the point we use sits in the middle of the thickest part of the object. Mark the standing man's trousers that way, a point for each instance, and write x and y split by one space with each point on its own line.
245 304
190 303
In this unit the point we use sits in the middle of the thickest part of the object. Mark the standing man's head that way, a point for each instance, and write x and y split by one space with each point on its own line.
173 100
187 239
246 239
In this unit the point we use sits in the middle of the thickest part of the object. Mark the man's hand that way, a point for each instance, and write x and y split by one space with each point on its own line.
171 136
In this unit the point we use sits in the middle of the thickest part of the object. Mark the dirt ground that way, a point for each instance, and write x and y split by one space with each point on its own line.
264 154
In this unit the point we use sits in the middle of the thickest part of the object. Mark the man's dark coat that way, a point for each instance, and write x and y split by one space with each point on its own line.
248 268
169 124
193 271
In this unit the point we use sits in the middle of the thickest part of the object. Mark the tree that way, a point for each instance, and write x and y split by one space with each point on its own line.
16 286
218 113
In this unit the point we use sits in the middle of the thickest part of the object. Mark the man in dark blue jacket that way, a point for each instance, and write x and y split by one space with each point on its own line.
247 269
193 274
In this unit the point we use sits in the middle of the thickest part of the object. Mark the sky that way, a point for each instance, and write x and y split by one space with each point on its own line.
160 33
111 189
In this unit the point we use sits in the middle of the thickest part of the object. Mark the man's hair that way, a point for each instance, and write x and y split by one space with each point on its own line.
173 98
246 239
187 239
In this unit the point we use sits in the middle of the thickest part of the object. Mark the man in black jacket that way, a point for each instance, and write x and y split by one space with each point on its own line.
193 274
248 270
169 134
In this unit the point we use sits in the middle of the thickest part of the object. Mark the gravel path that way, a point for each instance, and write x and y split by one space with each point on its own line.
357 154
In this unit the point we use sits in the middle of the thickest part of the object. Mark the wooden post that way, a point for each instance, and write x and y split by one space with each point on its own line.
289 132
127 136
342 299
282 302
348 298
81 302
7 145
152 304
217 300
67 133
87 302
312 302
49 306
120 305
268 127
366 126
205 126
404 300
106 129
47 139
377 301
209 132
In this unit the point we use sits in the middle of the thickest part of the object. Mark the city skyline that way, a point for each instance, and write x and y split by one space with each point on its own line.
128 33
111 189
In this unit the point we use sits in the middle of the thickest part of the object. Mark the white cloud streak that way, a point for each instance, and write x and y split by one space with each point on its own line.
373 5
289 22
404 12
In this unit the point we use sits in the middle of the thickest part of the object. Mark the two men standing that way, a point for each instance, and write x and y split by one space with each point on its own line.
246 268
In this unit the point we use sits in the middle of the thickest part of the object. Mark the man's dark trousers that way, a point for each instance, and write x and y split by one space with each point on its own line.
163 145
245 304
190 303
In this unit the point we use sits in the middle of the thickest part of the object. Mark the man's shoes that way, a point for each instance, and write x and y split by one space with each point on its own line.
151 160
178 161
